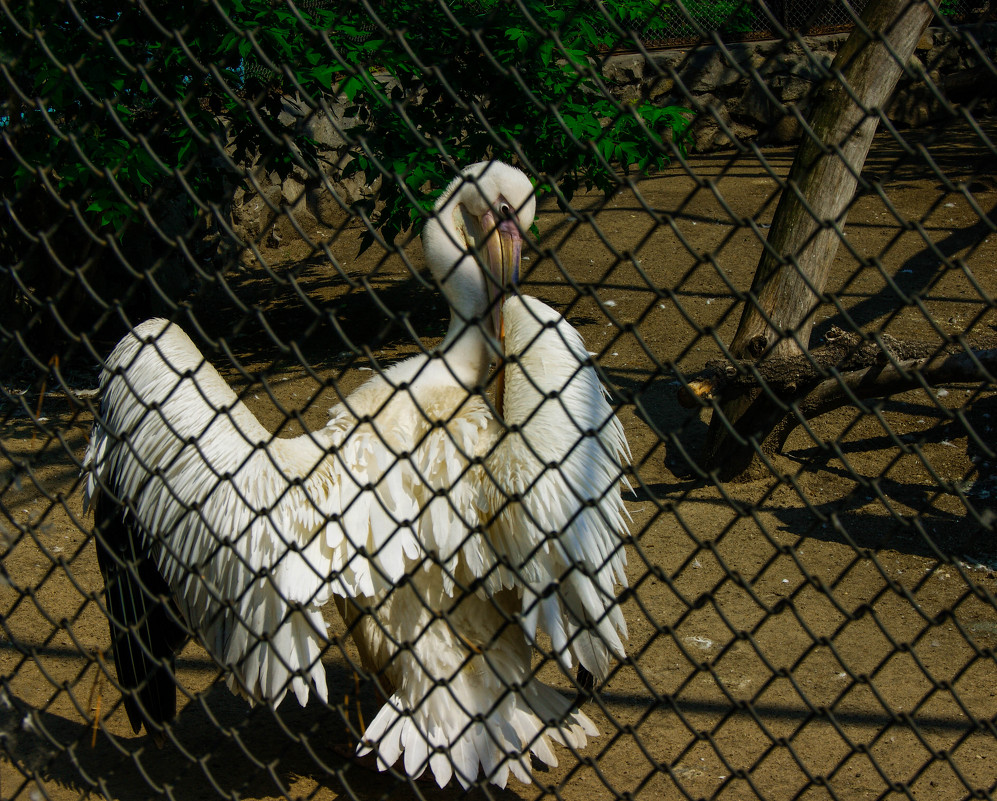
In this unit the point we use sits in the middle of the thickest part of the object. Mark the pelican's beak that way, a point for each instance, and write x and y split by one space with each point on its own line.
504 251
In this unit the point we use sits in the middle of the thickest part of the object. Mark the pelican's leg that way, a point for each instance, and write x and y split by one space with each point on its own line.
356 696
346 714
96 697
356 703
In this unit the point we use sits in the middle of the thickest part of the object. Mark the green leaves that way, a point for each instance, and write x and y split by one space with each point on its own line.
351 86
434 84
102 108
519 37
483 79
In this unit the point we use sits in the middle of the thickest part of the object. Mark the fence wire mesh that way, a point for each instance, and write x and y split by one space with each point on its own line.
671 24
762 567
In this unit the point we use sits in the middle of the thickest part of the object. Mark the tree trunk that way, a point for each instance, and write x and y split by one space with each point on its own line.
808 222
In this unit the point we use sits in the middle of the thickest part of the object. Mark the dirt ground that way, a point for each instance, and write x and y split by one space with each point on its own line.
828 631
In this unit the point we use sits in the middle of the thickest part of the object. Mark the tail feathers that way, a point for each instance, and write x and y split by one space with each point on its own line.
441 733
264 670
146 626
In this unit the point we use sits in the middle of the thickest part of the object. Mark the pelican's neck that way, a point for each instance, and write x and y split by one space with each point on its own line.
466 348
467 351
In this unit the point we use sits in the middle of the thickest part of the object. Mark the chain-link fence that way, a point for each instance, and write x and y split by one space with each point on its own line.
761 566
676 24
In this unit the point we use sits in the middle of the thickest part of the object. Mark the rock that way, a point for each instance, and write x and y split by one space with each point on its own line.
291 190
624 69
332 210
754 105
711 136
257 211
801 68
328 130
659 87
785 130
790 88
712 72
915 106
707 130
742 133
664 60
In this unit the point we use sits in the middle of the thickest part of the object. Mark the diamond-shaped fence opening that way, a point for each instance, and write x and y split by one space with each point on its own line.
577 400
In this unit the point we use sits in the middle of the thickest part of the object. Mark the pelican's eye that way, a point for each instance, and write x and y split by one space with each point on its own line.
505 210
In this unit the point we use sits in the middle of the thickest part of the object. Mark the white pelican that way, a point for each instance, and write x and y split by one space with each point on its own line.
461 534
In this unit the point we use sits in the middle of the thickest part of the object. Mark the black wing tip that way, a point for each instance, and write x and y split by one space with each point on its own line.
154 705
135 717
145 625
586 686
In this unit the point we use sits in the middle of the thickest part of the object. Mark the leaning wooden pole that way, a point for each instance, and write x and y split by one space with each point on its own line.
810 218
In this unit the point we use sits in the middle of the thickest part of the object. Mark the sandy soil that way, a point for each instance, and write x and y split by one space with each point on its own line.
826 631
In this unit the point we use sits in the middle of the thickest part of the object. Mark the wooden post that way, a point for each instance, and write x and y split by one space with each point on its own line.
812 211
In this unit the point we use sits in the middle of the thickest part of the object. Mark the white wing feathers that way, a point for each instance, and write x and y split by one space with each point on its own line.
217 500
554 488
253 532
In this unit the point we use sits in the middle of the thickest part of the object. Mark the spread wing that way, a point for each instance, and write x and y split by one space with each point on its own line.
247 530
552 490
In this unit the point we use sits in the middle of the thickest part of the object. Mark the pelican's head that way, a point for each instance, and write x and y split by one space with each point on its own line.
473 242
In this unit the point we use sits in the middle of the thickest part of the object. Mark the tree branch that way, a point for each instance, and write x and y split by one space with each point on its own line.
848 368
890 379
797 375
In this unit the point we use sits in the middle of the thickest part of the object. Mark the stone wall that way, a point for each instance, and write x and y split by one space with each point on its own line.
715 82
318 204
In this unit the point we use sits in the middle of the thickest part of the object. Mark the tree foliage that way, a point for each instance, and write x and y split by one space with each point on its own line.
116 102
